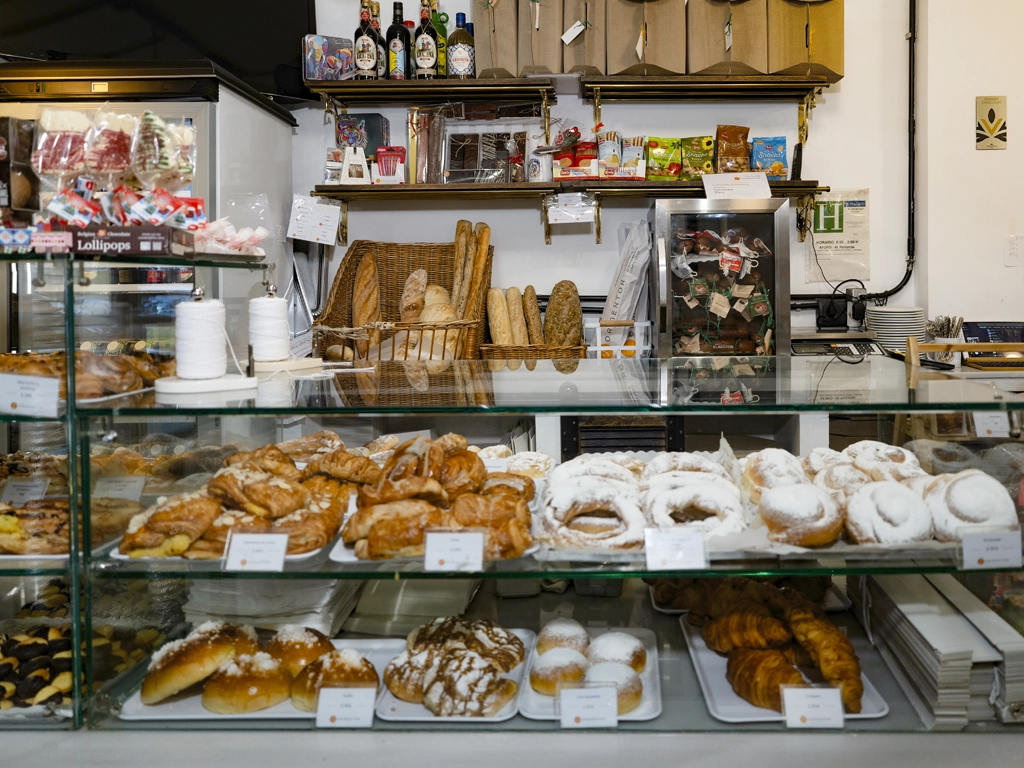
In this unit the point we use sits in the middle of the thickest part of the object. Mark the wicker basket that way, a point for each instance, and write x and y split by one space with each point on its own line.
395 262
531 352
390 386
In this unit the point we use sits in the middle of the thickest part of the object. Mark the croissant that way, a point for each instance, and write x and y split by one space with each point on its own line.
309 447
463 472
363 521
400 536
748 625
757 676
345 466
414 487
170 528
831 651
270 459
246 487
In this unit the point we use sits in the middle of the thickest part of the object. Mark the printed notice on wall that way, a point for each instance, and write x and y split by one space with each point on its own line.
841 247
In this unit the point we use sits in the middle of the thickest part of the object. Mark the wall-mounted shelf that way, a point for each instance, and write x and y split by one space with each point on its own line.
701 87
533 89
687 189
518 191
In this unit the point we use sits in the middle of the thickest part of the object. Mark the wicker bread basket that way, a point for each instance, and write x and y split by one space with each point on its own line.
530 352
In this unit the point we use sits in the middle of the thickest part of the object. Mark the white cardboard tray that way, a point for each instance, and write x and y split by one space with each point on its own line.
189 705
724 704
835 602
537 706
391 708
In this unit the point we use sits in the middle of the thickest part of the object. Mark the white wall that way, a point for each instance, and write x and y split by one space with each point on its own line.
858 139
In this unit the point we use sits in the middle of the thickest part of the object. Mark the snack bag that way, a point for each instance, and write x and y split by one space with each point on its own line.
733 152
59 153
698 157
769 155
191 215
108 155
664 158
609 150
633 150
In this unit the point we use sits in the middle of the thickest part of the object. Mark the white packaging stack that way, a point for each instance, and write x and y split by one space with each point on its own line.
944 664
396 608
892 325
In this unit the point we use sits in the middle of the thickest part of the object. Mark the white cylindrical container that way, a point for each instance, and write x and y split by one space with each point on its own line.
200 347
274 393
269 333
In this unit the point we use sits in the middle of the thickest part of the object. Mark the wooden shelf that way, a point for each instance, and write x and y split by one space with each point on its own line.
701 87
687 189
531 89
517 191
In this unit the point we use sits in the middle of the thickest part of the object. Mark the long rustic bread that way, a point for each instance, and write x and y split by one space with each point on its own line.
474 305
514 300
462 230
412 301
531 309
563 322
461 301
498 319
366 302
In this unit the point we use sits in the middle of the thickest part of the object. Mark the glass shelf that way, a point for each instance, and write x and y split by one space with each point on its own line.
199 260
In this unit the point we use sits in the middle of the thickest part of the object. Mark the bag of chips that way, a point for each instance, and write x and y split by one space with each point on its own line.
769 155
663 159
733 152
698 157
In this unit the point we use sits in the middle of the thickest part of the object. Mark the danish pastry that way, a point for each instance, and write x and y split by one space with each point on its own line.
247 683
169 528
896 473
801 515
252 490
563 633
37 527
463 472
887 513
968 500
296 646
592 512
558 665
213 542
345 466
628 687
419 456
509 483
841 480
400 535
412 487
270 459
867 454
619 647
451 442
820 459
312 527
336 669
465 684
305 449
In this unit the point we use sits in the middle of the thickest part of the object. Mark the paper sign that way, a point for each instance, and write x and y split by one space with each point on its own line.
496 465
1000 549
736 186
991 122
573 32
256 552
991 424
589 707
345 707
690 301
129 488
313 221
454 552
742 291
812 707
29 395
719 305
17 492
675 549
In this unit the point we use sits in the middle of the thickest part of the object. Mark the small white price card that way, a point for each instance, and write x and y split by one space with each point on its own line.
675 549
313 221
29 395
256 552
589 707
998 549
812 707
991 424
17 492
496 465
129 488
736 186
454 551
345 707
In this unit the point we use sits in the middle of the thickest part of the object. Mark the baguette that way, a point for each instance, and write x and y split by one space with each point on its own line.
498 319
366 302
531 309
469 257
412 301
462 230
480 277
514 300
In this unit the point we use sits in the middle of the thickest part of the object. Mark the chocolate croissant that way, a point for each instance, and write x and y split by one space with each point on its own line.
757 676
748 625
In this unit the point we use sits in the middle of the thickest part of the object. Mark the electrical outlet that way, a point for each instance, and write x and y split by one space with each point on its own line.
1014 249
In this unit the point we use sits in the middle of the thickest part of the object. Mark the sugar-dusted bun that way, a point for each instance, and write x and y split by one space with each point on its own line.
887 513
296 646
183 663
563 633
620 647
496 452
820 459
867 454
841 480
532 464
558 665
680 462
624 678
897 473
771 468
248 683
801 515
968 500
919 484
337 669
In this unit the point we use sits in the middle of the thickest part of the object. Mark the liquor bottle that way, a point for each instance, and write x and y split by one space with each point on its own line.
425 47
461 51
398 46
382 53
439 21
366 45
469 28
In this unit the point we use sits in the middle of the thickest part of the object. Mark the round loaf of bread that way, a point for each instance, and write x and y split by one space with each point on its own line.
436 294
559 665
296 646
183 663
338 669
248 683
625 680
563 633
618 647
438 313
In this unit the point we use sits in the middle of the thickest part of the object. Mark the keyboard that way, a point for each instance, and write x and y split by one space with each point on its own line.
996 365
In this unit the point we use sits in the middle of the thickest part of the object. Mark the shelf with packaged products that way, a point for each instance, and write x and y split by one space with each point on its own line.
389 192
526 89
701 87
687 189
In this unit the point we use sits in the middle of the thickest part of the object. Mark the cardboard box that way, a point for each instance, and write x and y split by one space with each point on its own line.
706 44
540 37
496 35
133 241
588 52
656 27
366 131
807 37
327 58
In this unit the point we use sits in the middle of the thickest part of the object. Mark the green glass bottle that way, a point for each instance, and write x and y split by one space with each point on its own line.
439 20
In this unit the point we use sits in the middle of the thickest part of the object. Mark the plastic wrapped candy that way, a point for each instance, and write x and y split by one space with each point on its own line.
108 156
164 154
59 154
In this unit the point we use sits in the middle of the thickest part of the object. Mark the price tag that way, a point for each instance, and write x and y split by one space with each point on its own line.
29 395
17 492
345 707
589 707
742 291
719 305
496 465
1000 549
991 424
573 32
256 552
675 549
129 488
454 551
740 305
812 707
313 221
690 301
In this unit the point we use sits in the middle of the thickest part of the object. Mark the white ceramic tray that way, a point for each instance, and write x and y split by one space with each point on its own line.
724 704
390 707
835 602
537 706
189 705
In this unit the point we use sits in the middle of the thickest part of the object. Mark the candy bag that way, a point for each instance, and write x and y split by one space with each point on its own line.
59 153
108 156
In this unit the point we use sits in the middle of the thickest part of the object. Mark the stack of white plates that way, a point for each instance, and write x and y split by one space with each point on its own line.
893 325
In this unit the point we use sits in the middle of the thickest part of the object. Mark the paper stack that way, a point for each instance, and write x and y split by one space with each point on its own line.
396 608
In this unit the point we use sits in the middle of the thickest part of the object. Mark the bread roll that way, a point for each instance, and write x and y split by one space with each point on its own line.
366 302
625 680
559 665
295 647
531 310
563 633
337 669
498 319
338 352
563 323
514 300
247 684
618 647
436 294
441 313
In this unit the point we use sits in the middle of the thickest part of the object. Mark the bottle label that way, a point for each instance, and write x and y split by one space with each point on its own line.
426 56
396 60
442 55
366 53
461 60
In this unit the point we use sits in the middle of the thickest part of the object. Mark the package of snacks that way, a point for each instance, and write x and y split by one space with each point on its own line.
663 159
609 150
733 152
698 157
73 208
108 156
59 153
769 155
633 150
157 207
164 153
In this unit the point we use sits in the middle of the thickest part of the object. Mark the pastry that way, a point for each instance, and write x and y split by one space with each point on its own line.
414 487
830 649
557 666
969 500
213 543
517 320
801 515
245 487
419 456
841 480
183 663
624 460
496 452
592 513
436 294
504 519
820 459
563 633
169 528
681 462
436 634
532 464
402 535
626 681
620 647
600 468
38 527
335 669
305 449
270 459
509 483
887 513
247 683
451 442
896 473
502 649
747 625
758 676
464 472
382 443
465 684
771 468
531 310
563 321
404 674
497 318
296 646
345 466
337 490
366 303
710 507
867 454
312 527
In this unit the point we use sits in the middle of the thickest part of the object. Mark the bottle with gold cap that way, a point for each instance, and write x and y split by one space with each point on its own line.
382 56
366 45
